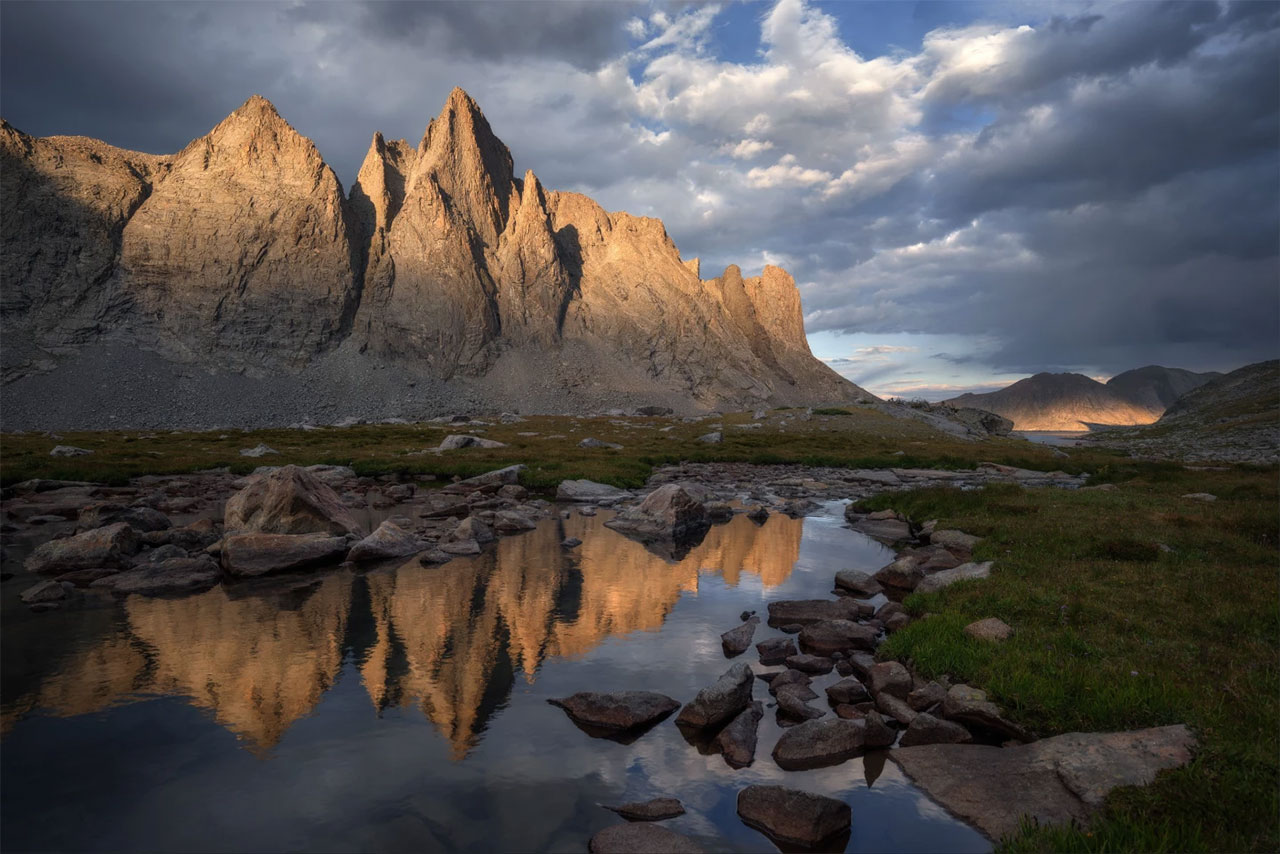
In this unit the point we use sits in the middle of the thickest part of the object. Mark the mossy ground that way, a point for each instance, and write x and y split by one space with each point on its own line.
1114 632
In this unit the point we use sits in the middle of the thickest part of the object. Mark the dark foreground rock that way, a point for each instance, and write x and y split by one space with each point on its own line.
803 612
653 810
672 512
110 545
249 555
830 636
737 741
175 575
641 839
816 744
926 729
388 541
971 707
776 650
790 815
617 712
1054 781
719 703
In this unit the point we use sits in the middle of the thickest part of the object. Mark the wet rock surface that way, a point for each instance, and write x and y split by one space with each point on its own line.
656 809
793 816
617 711
737 741
816 744
721 702
641 839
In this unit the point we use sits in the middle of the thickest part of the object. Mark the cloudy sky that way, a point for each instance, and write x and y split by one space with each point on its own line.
965 192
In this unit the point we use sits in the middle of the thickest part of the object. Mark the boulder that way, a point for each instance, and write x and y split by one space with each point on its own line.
790 677
886 530
815 664
926 729
713 438
903 573
618 711
457 442
587 490
831 636
816 744
776 650
957 540
878 734
847 692
512 522
388 541
793 703
656 809
641 839
802 612
470 528
654 410
141 519
793 816
1058 780
591 442
175 575
737 741
890 677
971 707
926 697
108 546
719 511
490 481
990 629
858 582
964 572
248 555
719 703
737 640
896 708
44 591
69 451
460 548
673 511
289 500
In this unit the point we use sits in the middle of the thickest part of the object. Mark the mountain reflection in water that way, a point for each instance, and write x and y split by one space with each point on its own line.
450 640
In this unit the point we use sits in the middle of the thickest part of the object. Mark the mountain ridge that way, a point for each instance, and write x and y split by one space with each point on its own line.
241 255
1068 401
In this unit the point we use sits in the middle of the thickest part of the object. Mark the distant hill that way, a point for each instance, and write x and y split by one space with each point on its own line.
1158 387
1253 390
1061 402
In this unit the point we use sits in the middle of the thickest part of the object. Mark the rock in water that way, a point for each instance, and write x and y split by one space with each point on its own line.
641 839
657 809
50 591
1054 781
775 650
248 555
829 636
618 711
289 500
673 511
107 546
175 575
722 701
858 582
802 612
926 729
388 541
790 815
816 744
737 641
737 741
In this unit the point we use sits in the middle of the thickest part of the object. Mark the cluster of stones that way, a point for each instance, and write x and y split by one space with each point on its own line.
159 536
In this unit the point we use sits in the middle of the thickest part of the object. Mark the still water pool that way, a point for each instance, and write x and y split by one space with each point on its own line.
404 708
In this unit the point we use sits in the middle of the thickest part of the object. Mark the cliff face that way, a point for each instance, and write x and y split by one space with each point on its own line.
241 252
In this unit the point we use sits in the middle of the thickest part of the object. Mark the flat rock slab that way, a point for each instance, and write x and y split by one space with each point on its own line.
1054 781
803 612
616 712
641 839
790 815
248 555
828 636
856 581
816 744
657 809
964 572
175 575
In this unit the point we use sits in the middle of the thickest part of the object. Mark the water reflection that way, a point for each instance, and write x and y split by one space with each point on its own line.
450 640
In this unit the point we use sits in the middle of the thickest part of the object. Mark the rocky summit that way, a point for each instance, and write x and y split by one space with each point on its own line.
235 283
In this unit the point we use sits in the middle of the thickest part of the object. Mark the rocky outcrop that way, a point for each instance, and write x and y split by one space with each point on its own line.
289 500
241 252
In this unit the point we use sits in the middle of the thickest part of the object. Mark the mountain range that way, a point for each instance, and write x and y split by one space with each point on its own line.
1050 401
236 282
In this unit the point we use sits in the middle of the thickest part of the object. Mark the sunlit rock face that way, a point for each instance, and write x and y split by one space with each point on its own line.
449 641
241 251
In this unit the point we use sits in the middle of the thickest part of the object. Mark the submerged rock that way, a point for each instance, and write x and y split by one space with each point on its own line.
641 839
1057 780
793 816
44 591
249 555
656 809
175 575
